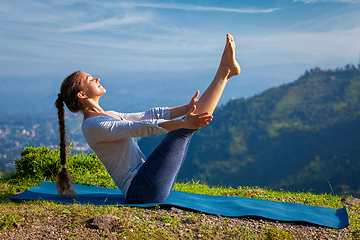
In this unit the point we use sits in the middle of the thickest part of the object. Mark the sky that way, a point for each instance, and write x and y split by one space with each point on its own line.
132 41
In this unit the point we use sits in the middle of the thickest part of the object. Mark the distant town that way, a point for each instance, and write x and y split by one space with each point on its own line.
35 131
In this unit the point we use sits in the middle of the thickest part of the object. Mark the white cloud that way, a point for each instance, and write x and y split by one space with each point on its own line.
29 12
112 35
196 8
104 23
317 1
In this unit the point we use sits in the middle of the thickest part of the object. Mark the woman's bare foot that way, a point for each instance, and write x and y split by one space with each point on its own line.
228 62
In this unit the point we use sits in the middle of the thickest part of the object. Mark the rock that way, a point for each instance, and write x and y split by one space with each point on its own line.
351 201
102 222
174 210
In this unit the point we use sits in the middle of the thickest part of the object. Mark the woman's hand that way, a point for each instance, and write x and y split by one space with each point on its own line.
176 112
195 121
194 100
191 121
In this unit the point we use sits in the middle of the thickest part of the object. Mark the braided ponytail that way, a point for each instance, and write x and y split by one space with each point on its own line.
63 177
61 115
69 88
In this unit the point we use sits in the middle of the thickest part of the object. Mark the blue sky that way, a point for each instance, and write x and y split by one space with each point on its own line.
55 38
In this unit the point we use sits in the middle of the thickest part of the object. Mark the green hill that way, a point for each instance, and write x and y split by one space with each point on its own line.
300 136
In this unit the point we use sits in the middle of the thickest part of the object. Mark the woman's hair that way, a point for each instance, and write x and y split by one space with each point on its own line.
69 89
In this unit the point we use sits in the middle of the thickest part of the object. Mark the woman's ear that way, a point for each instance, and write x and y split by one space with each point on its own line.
82 95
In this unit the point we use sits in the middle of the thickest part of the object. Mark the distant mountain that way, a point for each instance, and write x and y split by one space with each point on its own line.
304 135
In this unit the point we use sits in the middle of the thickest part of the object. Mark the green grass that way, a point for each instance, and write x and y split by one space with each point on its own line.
137 223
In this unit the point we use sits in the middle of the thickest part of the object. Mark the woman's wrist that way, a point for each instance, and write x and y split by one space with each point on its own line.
173 124
189 107
176 112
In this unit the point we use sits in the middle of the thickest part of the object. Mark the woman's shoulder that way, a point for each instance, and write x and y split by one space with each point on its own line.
108 114
97 124
113 112
92 121
116 115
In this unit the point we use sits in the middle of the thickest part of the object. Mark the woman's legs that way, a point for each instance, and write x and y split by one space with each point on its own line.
156 177
228 67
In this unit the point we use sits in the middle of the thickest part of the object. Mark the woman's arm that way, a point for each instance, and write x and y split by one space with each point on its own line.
176 112
153 113
191 121
105 129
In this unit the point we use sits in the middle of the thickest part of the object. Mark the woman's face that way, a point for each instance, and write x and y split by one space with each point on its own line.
91 87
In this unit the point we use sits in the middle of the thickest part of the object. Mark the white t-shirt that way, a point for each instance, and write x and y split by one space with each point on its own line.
113 141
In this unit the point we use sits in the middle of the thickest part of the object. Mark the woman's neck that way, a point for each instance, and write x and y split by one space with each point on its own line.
93 110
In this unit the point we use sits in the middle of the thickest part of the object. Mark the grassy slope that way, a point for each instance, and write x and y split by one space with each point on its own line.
87 169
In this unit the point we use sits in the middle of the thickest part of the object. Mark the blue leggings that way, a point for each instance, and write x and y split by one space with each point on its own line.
157 175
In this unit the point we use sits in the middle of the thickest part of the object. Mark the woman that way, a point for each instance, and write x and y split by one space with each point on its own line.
112 135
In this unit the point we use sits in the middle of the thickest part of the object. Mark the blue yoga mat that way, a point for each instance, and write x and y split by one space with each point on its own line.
222 205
